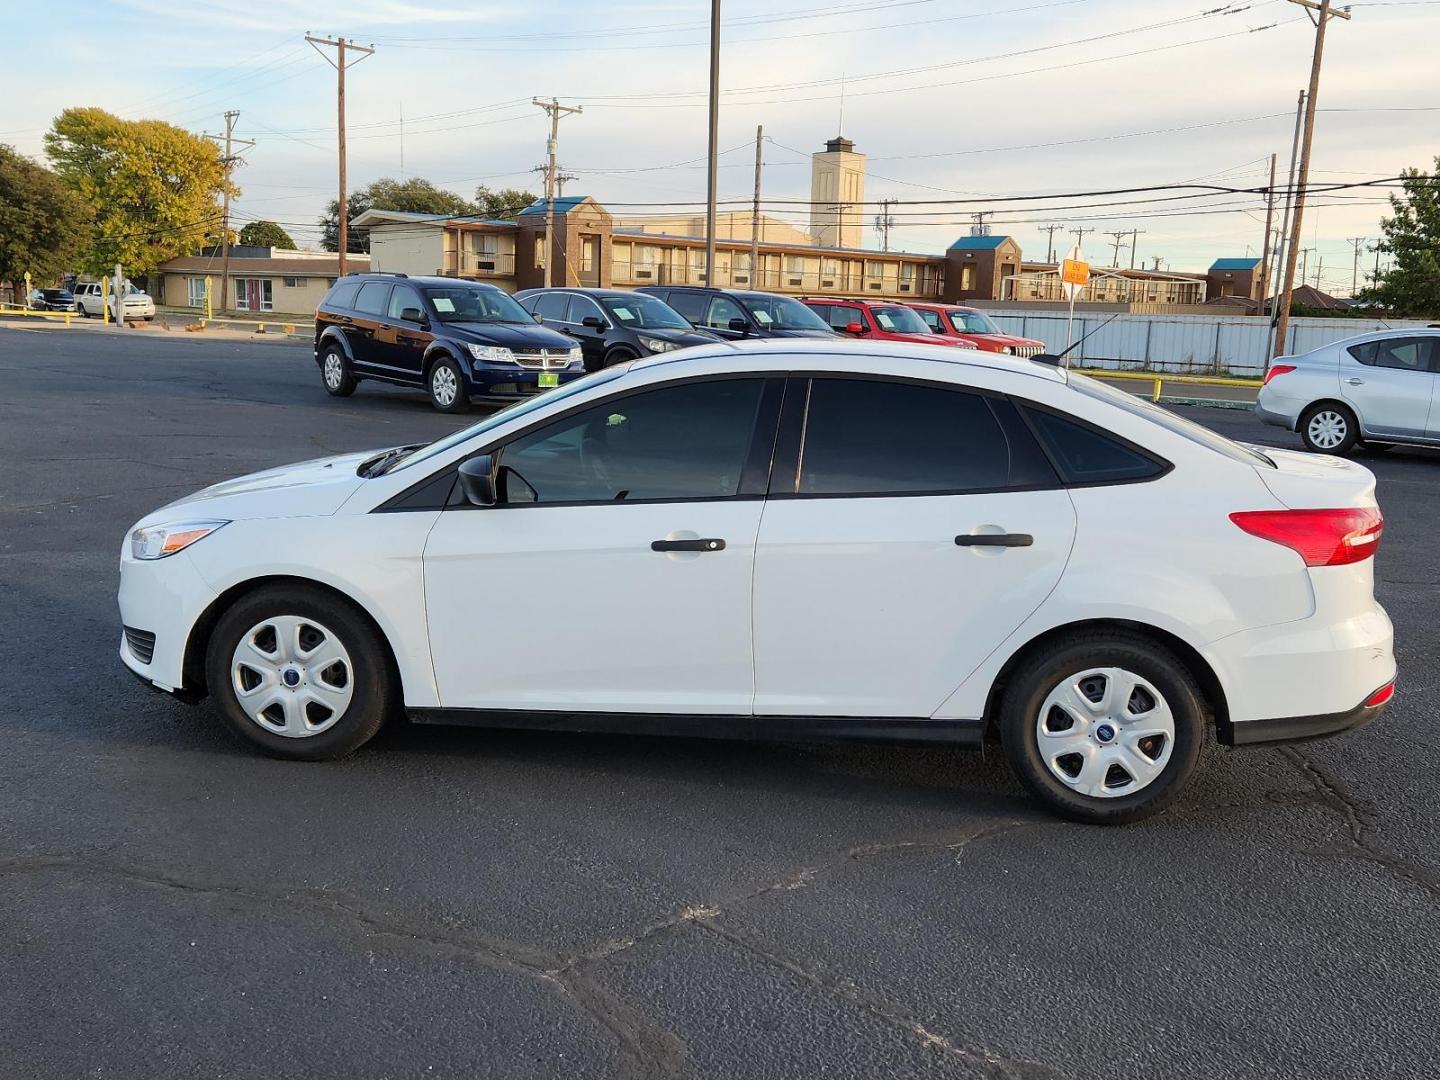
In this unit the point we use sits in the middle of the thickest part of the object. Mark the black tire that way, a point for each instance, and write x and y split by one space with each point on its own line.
339 379
440 383
1031 684
617 356
1333 417
374 685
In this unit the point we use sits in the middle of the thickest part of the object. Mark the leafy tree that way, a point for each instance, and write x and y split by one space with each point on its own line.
266 234
1412 286
44 226
154 186
504 203
415 195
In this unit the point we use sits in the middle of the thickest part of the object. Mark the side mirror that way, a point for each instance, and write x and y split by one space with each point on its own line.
739 325
477 480
537 316
413 314
857 329
594 322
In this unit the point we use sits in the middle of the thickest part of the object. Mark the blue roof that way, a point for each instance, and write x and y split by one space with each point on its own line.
1234 264
564 204
978 243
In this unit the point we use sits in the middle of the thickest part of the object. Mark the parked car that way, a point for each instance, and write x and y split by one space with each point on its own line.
975 327
1375 389
53 300
784 539
612 326
90 296
458 339
733 314
879 320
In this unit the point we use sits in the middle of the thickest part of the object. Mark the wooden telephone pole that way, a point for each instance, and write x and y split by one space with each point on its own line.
1050 231
755 210
228 161
1322 20
1265 245
340 63
555 110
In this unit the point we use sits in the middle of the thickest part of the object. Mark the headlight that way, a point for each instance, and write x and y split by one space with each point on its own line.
655 345
491 354
157 541
1008 351
577 354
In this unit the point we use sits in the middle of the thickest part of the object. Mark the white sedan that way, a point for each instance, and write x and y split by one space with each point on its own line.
785 539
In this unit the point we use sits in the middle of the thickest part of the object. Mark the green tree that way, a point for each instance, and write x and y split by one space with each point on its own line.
504 203
1411 287
154 186
44 226
266 234
415 195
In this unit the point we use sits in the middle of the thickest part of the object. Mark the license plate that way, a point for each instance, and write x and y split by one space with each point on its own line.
549 379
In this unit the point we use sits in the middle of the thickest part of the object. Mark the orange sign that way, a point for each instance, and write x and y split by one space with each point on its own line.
1074 272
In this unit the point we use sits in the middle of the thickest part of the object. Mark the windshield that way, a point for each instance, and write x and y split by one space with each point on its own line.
781 313
504 416
899 320
1169 421
471 303
972 322
640 312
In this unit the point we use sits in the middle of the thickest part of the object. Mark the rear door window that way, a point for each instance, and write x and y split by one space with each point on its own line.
372 297
552 306
689 304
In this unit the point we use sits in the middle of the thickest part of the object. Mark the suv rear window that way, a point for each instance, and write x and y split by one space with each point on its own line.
343 295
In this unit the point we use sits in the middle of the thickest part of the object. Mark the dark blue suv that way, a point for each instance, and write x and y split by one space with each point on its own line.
458 339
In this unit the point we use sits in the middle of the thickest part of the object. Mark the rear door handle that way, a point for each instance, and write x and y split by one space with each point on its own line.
1356 382
994 540
704 543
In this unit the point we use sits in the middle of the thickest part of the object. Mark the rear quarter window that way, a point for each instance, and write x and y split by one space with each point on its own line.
1086 455
342 295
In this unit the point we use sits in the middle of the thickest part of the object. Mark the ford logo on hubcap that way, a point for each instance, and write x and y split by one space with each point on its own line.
1105 733
291 677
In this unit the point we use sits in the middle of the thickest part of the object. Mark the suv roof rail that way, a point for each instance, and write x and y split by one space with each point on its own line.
386 273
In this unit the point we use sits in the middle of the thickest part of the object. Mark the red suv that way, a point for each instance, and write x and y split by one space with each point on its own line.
967 324
884 320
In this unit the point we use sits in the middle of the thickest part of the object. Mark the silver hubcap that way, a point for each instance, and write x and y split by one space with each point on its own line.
1327 429
333 371
442 385
292 676
1105 732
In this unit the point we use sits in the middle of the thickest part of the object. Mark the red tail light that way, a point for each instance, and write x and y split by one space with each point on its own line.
1322 537
1379 697
1278 369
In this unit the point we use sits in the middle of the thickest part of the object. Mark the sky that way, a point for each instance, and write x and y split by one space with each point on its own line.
960 105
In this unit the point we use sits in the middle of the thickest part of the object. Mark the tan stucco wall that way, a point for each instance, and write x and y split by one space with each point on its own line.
300 299
417 250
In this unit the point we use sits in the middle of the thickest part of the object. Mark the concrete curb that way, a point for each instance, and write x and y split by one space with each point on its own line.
1209 403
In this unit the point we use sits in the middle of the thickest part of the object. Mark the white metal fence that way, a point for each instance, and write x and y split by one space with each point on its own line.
1201 344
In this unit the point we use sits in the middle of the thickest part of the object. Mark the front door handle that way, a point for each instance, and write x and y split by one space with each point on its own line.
1356 382
1006 540
704 543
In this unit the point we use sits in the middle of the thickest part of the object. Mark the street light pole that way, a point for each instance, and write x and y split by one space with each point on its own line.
714 142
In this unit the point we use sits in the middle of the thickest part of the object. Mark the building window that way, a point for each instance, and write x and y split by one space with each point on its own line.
876 270
540 251
794 264
292 283
195 291
587 254
907 272
254 294
967 277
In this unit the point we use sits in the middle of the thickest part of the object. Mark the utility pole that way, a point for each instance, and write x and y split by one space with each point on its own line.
1156 268
713 177
561 179
1319 269
980 228
1265 244
884 222
1117 243
1282 239
755 210
1134 241
228 161
555 110
340 63
1359 243
1305 263
1376 279
1050 231
1322 20
1079 235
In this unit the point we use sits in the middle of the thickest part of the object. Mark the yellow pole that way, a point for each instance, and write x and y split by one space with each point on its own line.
105 301
25 304
209 303
1156 396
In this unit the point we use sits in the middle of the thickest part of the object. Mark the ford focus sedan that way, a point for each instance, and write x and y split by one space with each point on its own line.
788 540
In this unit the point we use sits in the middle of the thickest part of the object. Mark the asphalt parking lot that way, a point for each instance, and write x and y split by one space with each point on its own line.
464 903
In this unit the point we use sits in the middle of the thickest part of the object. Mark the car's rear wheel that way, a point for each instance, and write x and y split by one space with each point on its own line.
1104 727
335 371
300 673
1329 428
447 387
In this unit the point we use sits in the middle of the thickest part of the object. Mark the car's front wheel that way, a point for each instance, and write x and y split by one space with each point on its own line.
447 387
1329 428
1103 727
300 673
335 372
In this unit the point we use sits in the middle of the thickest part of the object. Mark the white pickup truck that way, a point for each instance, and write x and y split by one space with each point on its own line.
90 298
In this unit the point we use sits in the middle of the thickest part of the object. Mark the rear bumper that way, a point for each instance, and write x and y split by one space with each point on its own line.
1290 729
1270 416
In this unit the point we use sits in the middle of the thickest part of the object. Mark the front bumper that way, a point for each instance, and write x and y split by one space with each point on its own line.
1288 729
163 597
509 382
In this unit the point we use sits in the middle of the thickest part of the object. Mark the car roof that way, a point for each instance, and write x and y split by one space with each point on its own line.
810 352
869 301
577 289
425 280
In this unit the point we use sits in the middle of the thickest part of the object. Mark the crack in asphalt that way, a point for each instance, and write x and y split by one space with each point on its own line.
647 1051
1358 841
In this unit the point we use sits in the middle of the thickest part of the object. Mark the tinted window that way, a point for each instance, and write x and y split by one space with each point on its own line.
583 306
1088 456
863 436
689 304
932 320
680 442
1404 354
343 295
841 317
722 310
372 297
402 297
552 306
